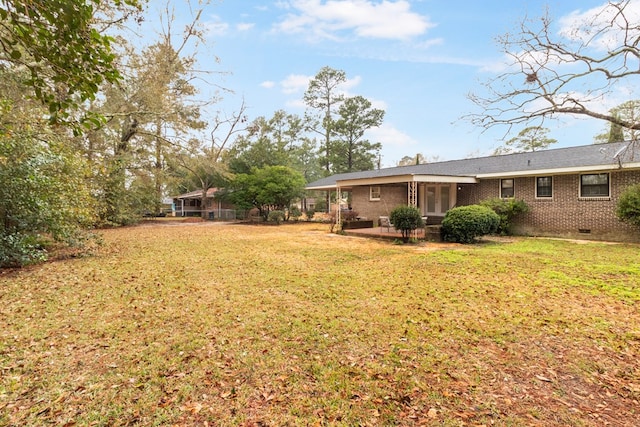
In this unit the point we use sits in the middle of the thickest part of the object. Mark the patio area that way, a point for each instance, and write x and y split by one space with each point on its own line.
431 233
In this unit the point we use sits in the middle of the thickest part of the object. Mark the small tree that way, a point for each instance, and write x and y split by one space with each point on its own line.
628 208
507 210
309 214
465 223
406 219
270 188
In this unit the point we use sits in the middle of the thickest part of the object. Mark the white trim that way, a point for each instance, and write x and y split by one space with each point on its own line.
327 187
581 197
401 179
535 194
560 171
446 179
375 199
513 188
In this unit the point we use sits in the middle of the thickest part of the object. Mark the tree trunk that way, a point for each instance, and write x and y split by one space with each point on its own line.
158 170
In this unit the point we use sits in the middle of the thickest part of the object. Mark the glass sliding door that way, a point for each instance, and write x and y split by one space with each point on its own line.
437 199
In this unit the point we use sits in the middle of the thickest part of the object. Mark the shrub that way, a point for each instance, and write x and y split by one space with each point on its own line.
507 210
628 207
276 216
465 223
17 250
295 213
310 213
44 198
406 219
349 215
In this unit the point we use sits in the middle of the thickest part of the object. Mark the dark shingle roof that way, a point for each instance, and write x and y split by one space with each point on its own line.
580 157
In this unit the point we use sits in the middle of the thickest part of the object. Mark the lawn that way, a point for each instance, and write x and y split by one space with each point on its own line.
249 325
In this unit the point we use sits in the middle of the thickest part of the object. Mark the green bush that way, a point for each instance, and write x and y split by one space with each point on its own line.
628 207
43 197
406 219
276 216
295 213
465 223
507 210
17 250
310 213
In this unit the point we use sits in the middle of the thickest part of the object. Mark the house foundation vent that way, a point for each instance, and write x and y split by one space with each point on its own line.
584 231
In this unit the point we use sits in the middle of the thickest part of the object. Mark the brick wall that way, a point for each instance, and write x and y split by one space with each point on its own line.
391 195
566 214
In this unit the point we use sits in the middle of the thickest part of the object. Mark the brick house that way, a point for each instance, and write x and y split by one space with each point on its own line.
571 192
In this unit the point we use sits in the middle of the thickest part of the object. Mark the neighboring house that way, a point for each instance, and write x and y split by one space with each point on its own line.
190 204
571 192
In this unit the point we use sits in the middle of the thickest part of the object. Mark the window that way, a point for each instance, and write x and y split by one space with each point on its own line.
594 185
506 188
544 186
374 193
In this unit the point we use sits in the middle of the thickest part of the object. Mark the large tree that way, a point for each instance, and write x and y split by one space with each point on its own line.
532 138
152 114
59 43
628 111
206 162
278 141
570 71
323 98
351 152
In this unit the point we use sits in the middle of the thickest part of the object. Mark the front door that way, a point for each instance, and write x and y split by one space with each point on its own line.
437 199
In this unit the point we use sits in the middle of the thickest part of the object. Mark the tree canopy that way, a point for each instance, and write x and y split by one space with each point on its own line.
66 56
568 72
627 111
532 138
351 152
267 189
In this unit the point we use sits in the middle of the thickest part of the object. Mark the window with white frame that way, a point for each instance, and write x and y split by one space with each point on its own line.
594 185
506 188
544 186
374 192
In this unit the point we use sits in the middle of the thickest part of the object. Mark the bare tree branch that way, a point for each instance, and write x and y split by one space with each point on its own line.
571 72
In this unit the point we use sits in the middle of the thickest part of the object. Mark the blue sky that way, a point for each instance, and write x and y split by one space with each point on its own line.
416 59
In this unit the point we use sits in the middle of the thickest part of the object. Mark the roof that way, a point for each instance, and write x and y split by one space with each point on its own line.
593 157
196 194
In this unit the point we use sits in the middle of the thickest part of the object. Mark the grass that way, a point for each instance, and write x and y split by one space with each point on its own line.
210 324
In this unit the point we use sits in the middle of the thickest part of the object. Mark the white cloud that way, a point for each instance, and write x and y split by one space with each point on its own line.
298 83
295 83
215 27
245 26
332 19
296 104
601 27
350 84
377 103
390 137
268 84
429 43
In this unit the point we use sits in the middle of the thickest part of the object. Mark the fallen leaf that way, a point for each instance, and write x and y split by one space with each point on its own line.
433 413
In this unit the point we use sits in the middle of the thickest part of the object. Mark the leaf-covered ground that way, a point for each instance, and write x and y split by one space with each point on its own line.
214 324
